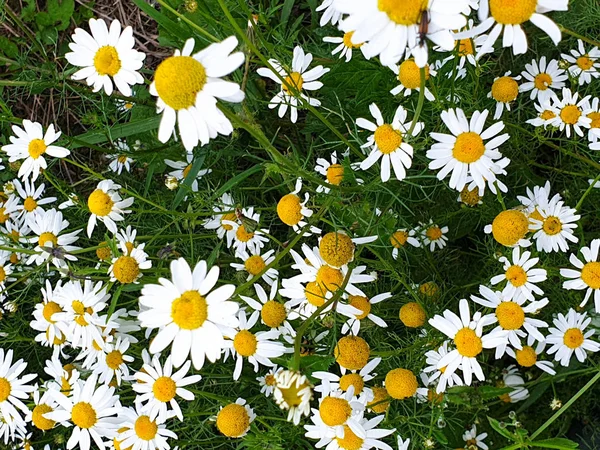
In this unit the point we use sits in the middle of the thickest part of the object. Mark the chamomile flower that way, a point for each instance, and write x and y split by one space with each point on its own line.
64 377
293 212
542 79
330 13
345 46
14 387
505 90
6 269
338 410
587 277
357 380
337 248
182 169
272 313
32 197
31 144
267 382
188 85
158 388
473 440
433 236
105 204
294 82
464 152
585 65
545 114
409 76
224 210
44 403
106 56
127 268
293 392
364 304
332 171
510 228
570 337
401 237
120 161
512 318
189 313
594 116
43 317
137 430
555 226
247 236
234 419
513 379
366 437
9 209
126 239
387 142
571 112
469 51
114 363
528 355
90 409
255 263
536 199
520 275
434 371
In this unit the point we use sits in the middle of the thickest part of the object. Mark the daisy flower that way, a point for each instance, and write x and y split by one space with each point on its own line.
507 17
535 199
234 419
594 116
399 239
126 239
570 337
219 220
520 275
338 411
555 226
505 91
189 313
31 144
182 169
345 46
293 212
188 85
330 13
106 56
337 248
121 160
114 363
137 430
293 392
587 276
433 236
127 268
258 348
512 319
366 437
14 387
409 76
44 403
545 114
391 30
364 304
571 113
294 82
542 79
272 313
32 197
469 51
355 379
464 152
43 317
528 355
434 372
255 263
6 269
387 142
247 236
471 438
9 209
585 65
105 204
64 377
267 383
332 171
91 409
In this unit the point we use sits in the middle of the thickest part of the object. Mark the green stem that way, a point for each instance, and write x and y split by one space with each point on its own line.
586 193
579 36
419 104
181 17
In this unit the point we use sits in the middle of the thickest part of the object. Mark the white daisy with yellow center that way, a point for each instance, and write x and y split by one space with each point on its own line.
31 197
474 440
107 56
267 382
587 275
126 239
64 377
225 211
542 79
504 91
13 387
44 403
528 356
293 392
555 226
388 142
273 313
43 317
545 114
337 411
465 152
535 199
189 313
294 82
183 168
584 65
520 275
571 112
114 362
409 76
105 204
594 114
293 211
127 268
246 234
354 379
364 304
188 85
345 46
121 160
254 263
466 50
434 372
331 170
570 337
434 236
401 237
30 144
136 429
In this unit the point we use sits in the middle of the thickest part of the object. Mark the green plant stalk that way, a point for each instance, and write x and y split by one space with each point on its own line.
586 193
579 36
199 29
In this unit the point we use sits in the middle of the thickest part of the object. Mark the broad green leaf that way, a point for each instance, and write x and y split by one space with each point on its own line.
560 443
501 430
237 179
286 11
115 132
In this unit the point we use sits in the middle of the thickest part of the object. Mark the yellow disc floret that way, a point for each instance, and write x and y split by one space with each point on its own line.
378 404
552 225
334 411
36 148
233 420
387 139
291 82
315 294
255 264
409 74
470 197
512 12
245 343
242 234
399 238
50 309
509 227
330 278
335 174
273 314
401 383
584 62
468 148
126 269
573 338
412 315
516 276
114 359
178 79
46 237
505 90
30 204
542 81
590 274
350 441
164 389
570 114
289 209
468 343
405 12
103 252
106 61
100 203
38 419
362 303
83 415
510 315
145 428
526 357
336 249
354 380
189 311
352 352
5 389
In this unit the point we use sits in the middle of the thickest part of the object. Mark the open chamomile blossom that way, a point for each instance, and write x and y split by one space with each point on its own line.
273 313
434 372
338 411
267 382
401 237
120 160
31 197
14 388
542 79
188 85
44 403
247 236
464 152
584 65
587 275
504 91
182 169
189 313
106 205
511 378
345 46
570 337
355 379
332 171
293 212
390 29
555 226
409 76
571 112
43 320
224 211
294 82
468 52
114 362
520 275
106 56
30 143
337 248
137 430
473 440
387 142
545 114
364 304
535 199
293 392
255 262
366 437
127 268
433 236
528 355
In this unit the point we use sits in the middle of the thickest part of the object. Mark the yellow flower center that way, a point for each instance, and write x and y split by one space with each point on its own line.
334 411
405 12
164 389
361 303
233 420
412 315
585 62
470 197
36 148
100 203
401 383
336 249
5 388
378 405
255 264
2 274
573 338
570 114
189 311
387 139
516 276
273 314
542 81
352 352
245 343
547 115
293 80
510 315
50 309
46 237
590 274
30 204
270 380
178 79
122 159
114 359
289 209
595 118
468 148
352 379
3 216
465 47
335 174
117 443
468 343
106 61
505 90
38 419
103 253
526 357
348 40
330 278
291 395
434 233
398 239
242 235
350 441
126 269
79 309
512 12
315 294
429 289
83 415
145 428
229 217
552 225
509 227
409 74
